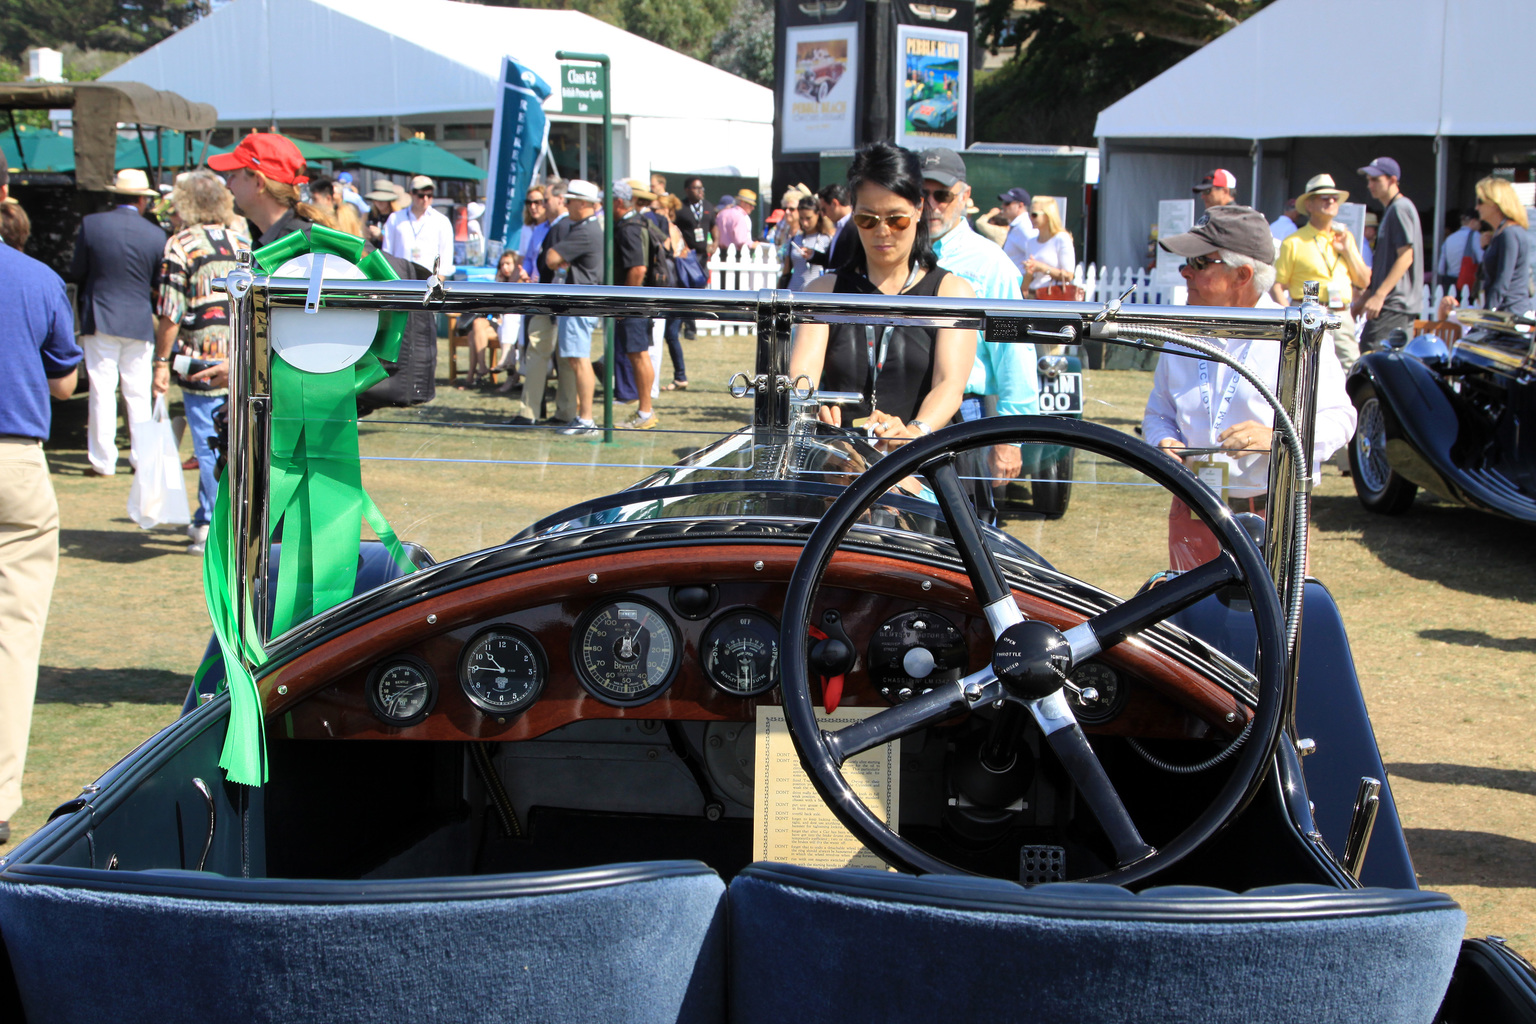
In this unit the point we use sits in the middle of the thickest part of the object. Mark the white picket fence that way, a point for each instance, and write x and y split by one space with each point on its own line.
758 268
1108 284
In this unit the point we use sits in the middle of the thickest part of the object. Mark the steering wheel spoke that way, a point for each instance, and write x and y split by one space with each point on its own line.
1151 606
1054 716
986 576
945 701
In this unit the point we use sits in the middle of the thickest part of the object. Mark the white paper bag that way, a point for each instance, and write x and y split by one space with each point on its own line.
159 493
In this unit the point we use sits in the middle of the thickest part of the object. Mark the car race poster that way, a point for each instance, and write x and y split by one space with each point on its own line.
930 87
821 75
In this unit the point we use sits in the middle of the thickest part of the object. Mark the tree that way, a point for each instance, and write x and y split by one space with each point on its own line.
1053 89
128 26
1190 23
745 46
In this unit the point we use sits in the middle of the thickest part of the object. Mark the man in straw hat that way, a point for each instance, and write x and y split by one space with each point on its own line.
116 256
733 225
1319 252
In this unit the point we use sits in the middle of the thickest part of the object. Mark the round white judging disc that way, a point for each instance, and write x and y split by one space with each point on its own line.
327 340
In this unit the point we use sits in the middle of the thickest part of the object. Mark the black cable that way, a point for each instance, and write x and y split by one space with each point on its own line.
1200 766
500 802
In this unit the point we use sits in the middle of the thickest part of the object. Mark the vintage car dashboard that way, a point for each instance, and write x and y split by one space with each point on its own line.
679 620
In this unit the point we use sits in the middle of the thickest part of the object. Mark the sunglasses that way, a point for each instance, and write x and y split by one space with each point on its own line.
894 221
1199 263
1325 199
940 196
533 202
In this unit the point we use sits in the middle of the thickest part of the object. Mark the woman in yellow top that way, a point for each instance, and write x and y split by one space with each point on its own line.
1318 252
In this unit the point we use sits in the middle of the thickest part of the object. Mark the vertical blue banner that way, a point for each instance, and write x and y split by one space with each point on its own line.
517 141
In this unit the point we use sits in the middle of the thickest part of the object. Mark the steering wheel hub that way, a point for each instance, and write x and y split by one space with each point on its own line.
1032 659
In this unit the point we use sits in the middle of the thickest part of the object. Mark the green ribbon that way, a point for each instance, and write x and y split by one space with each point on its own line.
316 498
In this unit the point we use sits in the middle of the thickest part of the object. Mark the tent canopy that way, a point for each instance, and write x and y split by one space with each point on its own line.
416 156
167 147
43 150
1388 67
98 109
277 61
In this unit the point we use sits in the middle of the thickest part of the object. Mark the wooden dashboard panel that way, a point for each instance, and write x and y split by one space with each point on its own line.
321 693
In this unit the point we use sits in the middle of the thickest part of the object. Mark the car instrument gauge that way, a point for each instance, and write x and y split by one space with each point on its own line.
741 652
913 652
625 651
502 671
1110 693
402 691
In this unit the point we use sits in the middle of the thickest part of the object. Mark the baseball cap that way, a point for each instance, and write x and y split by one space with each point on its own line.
580 188
1015 195
1219 178
1382 165
725 201
271 156
421 182
1242 229
345 177
776 215
942 165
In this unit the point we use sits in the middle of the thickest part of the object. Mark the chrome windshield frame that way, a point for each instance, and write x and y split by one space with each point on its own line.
775 314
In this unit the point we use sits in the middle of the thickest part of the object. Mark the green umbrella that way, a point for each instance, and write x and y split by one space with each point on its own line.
42 150
313 151
166 148
417 156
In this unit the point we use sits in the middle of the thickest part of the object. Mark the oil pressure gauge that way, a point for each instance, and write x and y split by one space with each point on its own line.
741 652
402 690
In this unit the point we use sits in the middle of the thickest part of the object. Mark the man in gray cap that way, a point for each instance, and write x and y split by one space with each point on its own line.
1198 404
1002 371
1015 208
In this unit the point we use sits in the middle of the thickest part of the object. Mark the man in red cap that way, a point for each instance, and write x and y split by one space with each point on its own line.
264 173
1217 188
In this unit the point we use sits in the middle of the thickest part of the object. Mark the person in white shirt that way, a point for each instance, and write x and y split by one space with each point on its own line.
1020 228
419 233
1201 404
1462 242
1286 225
1049 256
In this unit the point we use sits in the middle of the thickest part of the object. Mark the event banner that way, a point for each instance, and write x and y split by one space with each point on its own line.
518 138
821 81
931 85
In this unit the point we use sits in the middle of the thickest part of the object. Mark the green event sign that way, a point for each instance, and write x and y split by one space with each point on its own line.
582 89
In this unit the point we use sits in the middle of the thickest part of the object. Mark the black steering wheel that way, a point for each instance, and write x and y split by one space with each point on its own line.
1031 659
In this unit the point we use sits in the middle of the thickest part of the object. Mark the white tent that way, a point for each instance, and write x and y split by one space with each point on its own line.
329 62
1361 77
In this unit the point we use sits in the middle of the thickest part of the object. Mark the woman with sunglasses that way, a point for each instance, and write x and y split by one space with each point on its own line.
913 377
1319 252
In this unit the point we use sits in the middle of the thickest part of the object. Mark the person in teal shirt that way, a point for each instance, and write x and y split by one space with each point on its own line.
1003 370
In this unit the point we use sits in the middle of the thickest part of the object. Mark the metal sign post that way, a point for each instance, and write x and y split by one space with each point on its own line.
581 95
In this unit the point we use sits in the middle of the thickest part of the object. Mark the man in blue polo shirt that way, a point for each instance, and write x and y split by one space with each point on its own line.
38 350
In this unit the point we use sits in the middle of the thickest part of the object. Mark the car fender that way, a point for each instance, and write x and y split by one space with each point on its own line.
1421 423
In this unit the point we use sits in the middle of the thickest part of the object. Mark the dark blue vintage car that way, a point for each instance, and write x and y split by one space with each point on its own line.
1449 418
781 732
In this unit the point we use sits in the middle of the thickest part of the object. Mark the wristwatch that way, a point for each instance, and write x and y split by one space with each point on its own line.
921 427
162 359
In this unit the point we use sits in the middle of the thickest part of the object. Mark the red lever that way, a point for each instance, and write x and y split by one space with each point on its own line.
831 689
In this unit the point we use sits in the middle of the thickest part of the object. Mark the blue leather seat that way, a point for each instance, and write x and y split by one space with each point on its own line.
863 945
637 942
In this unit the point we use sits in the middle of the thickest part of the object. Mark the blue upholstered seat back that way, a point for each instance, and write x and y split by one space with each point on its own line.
858 945
625 943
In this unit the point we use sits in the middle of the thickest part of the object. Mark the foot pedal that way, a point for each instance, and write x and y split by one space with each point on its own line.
1041 864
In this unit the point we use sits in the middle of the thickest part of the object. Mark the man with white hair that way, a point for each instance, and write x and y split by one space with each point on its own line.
1197 404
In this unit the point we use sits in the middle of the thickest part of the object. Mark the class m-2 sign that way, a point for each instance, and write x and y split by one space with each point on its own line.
582 89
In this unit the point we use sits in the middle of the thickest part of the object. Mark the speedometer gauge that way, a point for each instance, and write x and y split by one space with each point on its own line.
502 671
402 690
741 653
625 651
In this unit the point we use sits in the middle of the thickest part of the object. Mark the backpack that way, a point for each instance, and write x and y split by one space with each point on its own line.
660 265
